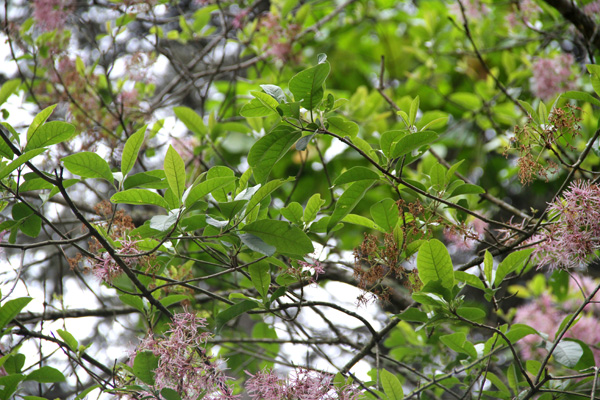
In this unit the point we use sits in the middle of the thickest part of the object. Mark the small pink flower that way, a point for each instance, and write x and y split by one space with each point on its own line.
592 8
106 268
51 14
552 76
575 234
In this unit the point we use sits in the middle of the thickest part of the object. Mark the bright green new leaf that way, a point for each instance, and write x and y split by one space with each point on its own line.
11 309
191 120
22 159
356 174
256 108
293 213
265 153
313 206
414 107
581 96
7 89
50 133
39 119
342 126
385 214
362 221
204 188
266 99
131 150
262 193
488 266
139 196
391 385
175 172
274 91
470 101
434 264
469 279
261 277
511 263
307 85
88 165
69 339
286 238
348 200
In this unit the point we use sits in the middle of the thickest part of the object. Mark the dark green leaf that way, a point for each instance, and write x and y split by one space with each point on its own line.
261 277
286 238
46 375
348 200
307 85
356 174
233 312
131 150
144 365
413 314
257 244
269 149
293 213
391 385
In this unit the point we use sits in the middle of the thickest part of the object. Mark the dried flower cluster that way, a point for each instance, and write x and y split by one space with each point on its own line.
302 385
531 139
552 76
574 234
546 316
183 363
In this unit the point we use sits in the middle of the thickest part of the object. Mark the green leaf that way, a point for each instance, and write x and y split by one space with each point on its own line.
133 301
257 244
434 264
356 174
50 133
11 309
348 200
437 174
488 266
265 153
274 91
262 193
46 375
469 279
175 172
385 214
68 339
313 206
39 119
389 138
154 179
131 150
519 331
261 277
467 188
458 342
362 221
22 159
234 311
293 213
471 313
266 99
13 363
256 108
512 263
7 89
467 100
85 392
208 186
307 85
31 226
286 238
413 314
391 385
139 196
170 394
88 165
191 120
414 107
581 96
222 193
567 352
412 142
144 365
342 127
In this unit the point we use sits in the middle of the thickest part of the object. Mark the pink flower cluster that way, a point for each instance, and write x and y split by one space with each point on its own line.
552 76
474 9
592 8
545 316
575 234
106 268
303 385
316 267
183 364
51 14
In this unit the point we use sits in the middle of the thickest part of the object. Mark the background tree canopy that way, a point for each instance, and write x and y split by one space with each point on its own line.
299 199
